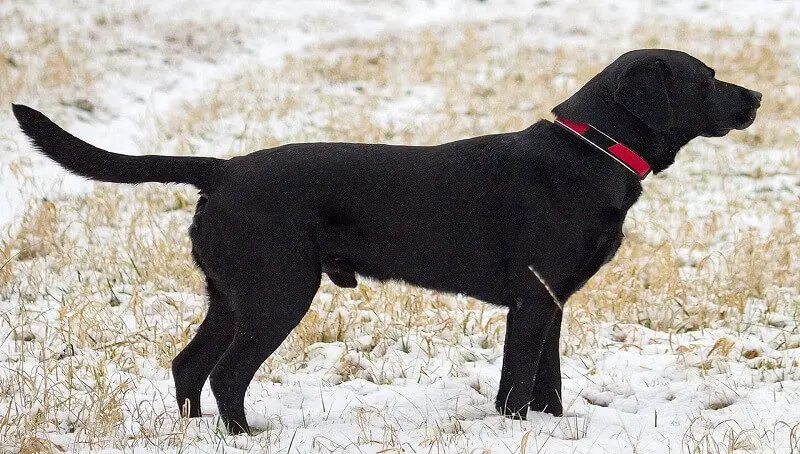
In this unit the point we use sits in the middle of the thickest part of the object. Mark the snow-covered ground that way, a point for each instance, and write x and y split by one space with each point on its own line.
688 341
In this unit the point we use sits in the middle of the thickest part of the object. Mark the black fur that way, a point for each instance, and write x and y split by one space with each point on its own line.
468 216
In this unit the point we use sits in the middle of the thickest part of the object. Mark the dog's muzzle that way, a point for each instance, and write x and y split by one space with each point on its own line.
754 100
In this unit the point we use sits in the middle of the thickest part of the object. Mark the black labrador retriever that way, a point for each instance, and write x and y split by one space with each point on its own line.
521 219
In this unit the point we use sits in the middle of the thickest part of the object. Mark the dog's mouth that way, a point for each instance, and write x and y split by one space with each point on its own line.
748 102
721 131
749 119
742 121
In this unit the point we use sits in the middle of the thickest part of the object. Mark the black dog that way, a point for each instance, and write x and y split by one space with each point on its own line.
522 219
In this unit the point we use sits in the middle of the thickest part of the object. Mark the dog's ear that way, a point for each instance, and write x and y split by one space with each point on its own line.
642 90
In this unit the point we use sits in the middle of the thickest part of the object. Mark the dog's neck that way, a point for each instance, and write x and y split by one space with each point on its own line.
593 104
616 150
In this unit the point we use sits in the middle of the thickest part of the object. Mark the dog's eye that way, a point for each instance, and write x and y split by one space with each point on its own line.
708 84
707 87
710 78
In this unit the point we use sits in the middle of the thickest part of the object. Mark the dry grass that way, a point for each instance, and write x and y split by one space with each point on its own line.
109 275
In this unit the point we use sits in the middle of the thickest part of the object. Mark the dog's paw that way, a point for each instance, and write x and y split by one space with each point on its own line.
236 426
553 407
508 411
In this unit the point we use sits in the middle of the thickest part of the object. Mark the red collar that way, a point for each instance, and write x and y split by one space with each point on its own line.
622 154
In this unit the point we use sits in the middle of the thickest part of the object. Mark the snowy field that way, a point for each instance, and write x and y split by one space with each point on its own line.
687 342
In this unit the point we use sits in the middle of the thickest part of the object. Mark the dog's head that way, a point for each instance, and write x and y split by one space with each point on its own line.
658 100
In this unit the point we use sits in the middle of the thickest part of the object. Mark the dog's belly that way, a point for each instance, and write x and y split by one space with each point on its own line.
452 261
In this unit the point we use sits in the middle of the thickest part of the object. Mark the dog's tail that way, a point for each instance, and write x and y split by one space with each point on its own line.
89 161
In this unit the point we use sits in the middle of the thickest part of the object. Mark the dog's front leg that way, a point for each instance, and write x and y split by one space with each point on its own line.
528 327
546 396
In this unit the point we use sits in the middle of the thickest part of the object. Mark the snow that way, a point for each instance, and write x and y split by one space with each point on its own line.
720 387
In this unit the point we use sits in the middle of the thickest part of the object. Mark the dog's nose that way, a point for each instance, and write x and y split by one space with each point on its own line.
755 95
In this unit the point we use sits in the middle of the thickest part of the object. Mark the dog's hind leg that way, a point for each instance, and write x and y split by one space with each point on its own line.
191 367
271 296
